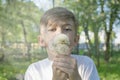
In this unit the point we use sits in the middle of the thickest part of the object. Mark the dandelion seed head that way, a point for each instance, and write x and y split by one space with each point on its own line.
60 44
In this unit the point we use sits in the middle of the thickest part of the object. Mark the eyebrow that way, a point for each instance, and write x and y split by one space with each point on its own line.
67 25
52 25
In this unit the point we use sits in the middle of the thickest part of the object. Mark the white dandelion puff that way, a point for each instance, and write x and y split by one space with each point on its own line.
60 44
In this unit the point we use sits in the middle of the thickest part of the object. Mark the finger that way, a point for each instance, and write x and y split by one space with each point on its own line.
61 74
62 60
66 60
60 64
64 75
58 71
66 70
61 55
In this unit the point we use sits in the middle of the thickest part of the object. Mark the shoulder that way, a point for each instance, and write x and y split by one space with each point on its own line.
38 64
37 70
83 59
86 67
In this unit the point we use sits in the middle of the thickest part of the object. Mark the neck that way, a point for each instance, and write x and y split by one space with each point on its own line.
51 55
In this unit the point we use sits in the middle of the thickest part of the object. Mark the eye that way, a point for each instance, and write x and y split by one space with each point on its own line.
68 29
52 29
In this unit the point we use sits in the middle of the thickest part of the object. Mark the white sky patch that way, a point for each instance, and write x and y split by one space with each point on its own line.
117 39
44 4
116 29
101 35
83 37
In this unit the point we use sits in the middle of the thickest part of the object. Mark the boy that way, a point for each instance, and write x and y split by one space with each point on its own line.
57 21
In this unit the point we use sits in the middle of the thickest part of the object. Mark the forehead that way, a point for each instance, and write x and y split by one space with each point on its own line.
58 22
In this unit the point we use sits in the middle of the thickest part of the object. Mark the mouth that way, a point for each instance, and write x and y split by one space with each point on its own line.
63 42
61 39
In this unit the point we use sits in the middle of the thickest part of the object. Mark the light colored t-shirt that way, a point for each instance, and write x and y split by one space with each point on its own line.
42 70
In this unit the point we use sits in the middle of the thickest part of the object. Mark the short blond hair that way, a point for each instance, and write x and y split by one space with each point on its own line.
58 13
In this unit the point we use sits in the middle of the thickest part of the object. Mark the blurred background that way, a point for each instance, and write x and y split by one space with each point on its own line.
99 32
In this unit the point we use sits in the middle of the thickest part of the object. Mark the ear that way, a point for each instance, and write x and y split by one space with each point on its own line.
41 41
76 40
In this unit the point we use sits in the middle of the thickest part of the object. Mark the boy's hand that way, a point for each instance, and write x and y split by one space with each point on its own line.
68 65
58 74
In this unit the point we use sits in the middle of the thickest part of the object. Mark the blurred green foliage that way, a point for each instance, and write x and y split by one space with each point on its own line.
19 23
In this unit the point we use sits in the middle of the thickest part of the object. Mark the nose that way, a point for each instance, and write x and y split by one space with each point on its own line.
59 31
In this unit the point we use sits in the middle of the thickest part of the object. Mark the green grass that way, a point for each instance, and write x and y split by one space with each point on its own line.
16 63
13 66
111 70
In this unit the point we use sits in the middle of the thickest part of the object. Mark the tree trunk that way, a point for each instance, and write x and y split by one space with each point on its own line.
3 38
2 45
107 51
108 37
2 55
113 16
25 40
96 48
89 44
53 2
114 8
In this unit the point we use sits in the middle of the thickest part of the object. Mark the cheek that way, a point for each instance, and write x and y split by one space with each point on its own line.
72 39
48 38
71 36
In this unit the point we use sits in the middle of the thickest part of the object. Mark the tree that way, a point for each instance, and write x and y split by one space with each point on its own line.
110 18
19 22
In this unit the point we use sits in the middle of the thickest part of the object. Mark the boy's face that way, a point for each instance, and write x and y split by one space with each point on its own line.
60 27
